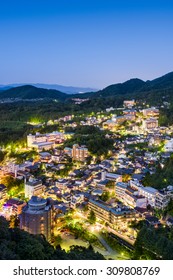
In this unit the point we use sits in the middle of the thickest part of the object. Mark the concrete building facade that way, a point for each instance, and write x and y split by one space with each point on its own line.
36 217
33 187
79 153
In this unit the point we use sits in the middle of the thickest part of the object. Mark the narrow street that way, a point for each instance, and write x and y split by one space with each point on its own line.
105 244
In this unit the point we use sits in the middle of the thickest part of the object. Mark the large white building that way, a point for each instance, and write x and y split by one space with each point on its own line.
169 146
44 141
33 187
136 195
149 193
162 200
129 195
12 167
163 197
120 189
40 146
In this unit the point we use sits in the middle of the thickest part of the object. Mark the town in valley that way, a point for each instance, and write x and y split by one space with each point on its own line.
100 179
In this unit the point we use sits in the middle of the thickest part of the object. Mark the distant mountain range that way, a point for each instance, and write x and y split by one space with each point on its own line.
31 92
65 89
134 88
2 87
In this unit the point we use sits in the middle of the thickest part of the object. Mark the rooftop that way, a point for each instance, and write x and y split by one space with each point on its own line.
35 200
34 183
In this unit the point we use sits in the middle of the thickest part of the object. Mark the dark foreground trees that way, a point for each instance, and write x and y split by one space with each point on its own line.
16 244
154 243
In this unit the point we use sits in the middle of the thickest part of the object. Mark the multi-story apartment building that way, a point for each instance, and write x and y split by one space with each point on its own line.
13 168
113 177
79 153
149 193
151 112
129 195
111 215
101 210
120 215
169 146
120 189
134 184
33 187
68 151
36 217
150 124
137 195
13 206
163 197
43 146
133 199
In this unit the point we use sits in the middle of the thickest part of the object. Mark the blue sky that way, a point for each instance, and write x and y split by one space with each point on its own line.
85 43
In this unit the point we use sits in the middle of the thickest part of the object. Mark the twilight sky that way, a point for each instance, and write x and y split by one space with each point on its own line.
85 42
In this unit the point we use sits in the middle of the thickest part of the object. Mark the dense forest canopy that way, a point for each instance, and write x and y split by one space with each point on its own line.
16 244
154 243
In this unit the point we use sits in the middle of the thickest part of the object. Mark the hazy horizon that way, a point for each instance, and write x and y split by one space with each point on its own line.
76 86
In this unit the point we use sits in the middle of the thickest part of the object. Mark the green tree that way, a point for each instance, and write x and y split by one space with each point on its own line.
16 244
110 184
2 155
92 217
105 196
14 221
58 240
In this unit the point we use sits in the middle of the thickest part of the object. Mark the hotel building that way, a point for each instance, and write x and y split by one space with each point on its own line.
36 217
33 187
79 153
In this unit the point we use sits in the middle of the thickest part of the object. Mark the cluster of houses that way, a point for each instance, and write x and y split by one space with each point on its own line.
120 174
75 192
142 121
